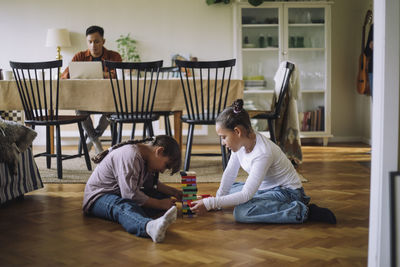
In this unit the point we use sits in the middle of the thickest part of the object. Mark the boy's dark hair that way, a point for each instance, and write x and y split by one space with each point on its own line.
94 29
171 150
233 116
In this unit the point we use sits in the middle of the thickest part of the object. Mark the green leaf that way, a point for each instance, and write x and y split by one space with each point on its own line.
127 48
256 2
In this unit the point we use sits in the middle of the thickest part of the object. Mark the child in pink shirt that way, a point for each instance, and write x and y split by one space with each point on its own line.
124 187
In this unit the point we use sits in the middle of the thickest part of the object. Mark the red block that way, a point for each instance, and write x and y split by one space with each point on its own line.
189 202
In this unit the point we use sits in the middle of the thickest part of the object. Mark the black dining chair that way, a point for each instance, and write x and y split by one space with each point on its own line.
40 100
134 89
275 112
165 74
169 72
205 86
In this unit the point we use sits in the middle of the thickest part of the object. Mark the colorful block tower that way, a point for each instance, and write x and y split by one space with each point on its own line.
189 189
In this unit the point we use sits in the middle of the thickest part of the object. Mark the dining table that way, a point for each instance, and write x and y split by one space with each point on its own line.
96 95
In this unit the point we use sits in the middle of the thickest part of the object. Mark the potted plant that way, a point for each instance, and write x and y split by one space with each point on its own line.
252 2
210 2
127 49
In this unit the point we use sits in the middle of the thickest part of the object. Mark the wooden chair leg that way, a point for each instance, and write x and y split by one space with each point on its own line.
150 130
80 144
188 147
119 139
113 133
144 130
133 131
271 130
167 123
83 144
58 152
48 148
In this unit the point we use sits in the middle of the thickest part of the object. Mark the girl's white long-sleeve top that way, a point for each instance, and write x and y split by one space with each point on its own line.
267 166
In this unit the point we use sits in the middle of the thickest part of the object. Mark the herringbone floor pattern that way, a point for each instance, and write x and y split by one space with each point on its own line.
47 228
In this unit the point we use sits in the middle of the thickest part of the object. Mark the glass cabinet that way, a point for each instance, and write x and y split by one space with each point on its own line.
277 31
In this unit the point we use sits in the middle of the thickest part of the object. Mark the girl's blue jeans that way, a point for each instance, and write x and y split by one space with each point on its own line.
276 205
126 212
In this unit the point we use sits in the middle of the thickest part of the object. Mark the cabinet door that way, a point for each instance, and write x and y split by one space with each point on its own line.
260 42
298 32
306 46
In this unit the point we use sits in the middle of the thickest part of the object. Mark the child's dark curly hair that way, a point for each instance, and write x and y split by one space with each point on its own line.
171 150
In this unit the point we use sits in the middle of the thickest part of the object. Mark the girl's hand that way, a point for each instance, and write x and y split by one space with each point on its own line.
166 203
198 207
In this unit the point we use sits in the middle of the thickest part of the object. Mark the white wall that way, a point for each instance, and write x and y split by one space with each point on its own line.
385 130
363 102
166 27
350 111
161 27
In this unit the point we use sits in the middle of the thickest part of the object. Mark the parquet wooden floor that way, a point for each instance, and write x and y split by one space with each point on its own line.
47 228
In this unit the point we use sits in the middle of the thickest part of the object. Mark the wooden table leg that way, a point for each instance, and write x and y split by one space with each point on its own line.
52 139
178 127
51 112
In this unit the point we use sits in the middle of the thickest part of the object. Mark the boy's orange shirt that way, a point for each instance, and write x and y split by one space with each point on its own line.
86 56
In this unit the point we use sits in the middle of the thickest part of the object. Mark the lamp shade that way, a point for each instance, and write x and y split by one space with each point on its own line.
57 37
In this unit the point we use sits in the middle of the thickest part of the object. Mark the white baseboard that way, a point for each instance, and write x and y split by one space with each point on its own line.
349 139
202 136
366 140
71 138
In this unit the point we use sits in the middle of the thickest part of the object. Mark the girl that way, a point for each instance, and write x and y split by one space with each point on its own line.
273 192
122 187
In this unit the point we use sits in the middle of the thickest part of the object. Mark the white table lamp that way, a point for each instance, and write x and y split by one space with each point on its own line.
58 38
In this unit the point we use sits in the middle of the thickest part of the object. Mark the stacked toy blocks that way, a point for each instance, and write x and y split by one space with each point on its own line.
189 190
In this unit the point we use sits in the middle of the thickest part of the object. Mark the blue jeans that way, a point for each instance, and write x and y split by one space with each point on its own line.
124 211
276 205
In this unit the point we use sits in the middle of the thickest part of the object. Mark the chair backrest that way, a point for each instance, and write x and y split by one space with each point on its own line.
284 88
169 72
205 87
134 87
39 96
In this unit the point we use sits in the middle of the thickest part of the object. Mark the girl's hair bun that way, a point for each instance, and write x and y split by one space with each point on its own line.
237 106
233 116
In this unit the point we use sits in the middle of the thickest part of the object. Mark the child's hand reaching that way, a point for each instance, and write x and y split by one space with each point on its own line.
170 191
178 194
198 207
166 203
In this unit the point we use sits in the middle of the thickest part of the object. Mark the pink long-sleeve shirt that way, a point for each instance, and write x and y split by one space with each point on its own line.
122 172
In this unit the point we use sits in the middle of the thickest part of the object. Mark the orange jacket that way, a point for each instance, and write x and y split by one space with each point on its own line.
86 56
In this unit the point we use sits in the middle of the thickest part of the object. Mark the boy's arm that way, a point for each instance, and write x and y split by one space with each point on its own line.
170 191
162 204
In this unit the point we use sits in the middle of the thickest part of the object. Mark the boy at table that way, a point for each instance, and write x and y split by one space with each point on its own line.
95 52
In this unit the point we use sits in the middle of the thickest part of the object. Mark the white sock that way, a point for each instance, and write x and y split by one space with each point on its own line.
156 228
